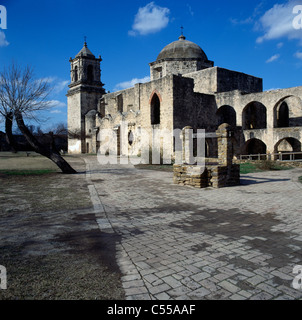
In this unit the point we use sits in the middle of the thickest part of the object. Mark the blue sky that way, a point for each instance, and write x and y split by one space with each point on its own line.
254 37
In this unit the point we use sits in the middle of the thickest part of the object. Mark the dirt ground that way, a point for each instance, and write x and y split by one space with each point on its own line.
50 243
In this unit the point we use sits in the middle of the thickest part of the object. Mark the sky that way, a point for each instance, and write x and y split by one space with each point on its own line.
261 38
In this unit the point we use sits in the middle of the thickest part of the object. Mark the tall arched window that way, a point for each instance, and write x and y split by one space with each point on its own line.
283 116
254 116
155 110
226 114
120 103
90 73
76 73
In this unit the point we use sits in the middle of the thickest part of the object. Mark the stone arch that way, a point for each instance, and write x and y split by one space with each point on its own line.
226 114
288 112
254 146
288 144
155 109
254 116
90 73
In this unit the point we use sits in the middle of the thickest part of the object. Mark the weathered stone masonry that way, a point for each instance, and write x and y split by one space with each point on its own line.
186 89
217 175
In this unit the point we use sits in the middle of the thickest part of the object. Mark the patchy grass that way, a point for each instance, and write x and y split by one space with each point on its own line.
248 167
300 179
258 166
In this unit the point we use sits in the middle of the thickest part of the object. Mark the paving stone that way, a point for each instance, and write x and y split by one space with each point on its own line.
199 293
269 289
160 288
262 296
162 296
229 286
200 276
255 280
221 276
282 275
172 282
136 291
211 238
151 278
237 297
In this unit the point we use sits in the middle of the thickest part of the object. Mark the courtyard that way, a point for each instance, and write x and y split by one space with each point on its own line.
119 232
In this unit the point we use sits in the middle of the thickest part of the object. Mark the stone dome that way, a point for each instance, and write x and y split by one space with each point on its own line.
182 49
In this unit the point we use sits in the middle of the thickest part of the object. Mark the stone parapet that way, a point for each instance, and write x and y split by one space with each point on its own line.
210 176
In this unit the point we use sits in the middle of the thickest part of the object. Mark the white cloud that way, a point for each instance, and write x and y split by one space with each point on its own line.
273 58
277 22
150 19
131 83
56 104
56 111
239 22
57 85
60 86
3 41
190 10
298 55
250 19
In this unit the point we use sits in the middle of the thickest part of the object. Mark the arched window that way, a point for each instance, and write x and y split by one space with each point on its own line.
155 110
255 147
120 103
226 114
76 77
254 116
288 145
90 73
130 138
283 116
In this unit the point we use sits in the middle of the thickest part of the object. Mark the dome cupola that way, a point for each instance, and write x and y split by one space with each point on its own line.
179 57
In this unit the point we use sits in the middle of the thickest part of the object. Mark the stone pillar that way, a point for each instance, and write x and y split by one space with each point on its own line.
225 148
187 145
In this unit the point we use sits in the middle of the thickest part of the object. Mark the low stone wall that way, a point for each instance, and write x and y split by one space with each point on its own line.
210 176
216 173
185 175
224 176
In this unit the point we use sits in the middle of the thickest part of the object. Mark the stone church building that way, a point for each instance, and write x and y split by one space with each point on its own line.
185 90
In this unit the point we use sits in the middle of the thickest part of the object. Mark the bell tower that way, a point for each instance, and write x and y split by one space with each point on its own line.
83 95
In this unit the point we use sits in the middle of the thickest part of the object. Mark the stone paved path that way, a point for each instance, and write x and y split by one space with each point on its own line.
184 243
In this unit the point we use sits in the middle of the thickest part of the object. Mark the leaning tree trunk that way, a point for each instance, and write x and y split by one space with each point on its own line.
9 132
46 151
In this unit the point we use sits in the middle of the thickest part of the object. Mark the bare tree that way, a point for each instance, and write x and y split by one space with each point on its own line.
22 96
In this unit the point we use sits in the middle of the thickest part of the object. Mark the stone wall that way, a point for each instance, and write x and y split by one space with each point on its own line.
212 176
215 80
224 174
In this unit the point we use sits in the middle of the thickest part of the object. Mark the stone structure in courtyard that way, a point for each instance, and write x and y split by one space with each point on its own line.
185 89
218 172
